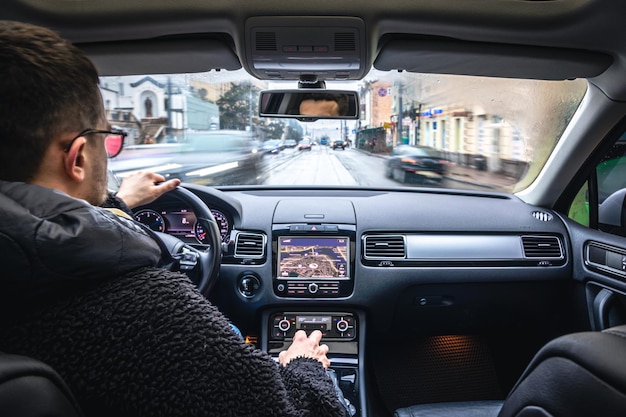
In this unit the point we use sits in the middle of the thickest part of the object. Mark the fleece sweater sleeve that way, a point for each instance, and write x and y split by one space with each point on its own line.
148 344
310 388
113 201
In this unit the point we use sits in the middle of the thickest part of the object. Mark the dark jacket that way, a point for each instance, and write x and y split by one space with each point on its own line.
82 294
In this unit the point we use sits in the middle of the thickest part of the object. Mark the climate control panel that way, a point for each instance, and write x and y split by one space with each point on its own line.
334 326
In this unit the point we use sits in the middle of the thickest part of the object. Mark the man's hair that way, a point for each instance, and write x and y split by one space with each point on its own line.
48 87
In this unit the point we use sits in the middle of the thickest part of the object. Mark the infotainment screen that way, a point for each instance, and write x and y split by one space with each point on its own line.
313 257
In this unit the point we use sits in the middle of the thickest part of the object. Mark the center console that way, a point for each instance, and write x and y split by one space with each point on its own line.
335 326
313 270
341 331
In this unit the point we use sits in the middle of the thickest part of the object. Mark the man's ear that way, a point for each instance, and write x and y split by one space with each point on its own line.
75 160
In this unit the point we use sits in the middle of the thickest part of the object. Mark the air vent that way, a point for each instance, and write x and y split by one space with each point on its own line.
345 41
542 247
542 216
385 246
265 41
250 245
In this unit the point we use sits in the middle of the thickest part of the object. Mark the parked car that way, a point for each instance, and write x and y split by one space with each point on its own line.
425 295
290 143
407 163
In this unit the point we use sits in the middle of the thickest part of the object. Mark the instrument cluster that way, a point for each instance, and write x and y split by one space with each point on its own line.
181 222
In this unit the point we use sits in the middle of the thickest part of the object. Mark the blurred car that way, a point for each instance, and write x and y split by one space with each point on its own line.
290 143
407 163
204 157
339 143
305 144
272 146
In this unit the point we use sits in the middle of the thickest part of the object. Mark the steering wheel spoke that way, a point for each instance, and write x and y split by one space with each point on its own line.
201 265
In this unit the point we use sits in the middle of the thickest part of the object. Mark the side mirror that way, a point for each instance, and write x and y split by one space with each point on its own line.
612 213
308 105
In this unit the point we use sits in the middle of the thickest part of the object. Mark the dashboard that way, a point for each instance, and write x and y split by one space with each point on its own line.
370 248
373 266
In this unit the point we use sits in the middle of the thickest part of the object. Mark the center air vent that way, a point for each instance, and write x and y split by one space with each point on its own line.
250 245
542 247
385 246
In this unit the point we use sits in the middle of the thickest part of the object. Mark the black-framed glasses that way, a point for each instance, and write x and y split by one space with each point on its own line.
113 141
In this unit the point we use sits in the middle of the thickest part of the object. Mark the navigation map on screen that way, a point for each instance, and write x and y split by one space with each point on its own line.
313 257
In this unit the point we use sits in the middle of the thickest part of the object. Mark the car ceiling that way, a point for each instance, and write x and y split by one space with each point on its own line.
549 39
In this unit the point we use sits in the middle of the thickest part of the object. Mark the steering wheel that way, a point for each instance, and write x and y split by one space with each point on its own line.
201 266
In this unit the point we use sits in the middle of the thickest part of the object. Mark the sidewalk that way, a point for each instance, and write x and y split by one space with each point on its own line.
486 179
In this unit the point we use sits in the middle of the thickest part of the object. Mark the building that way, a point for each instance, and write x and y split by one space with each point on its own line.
157 108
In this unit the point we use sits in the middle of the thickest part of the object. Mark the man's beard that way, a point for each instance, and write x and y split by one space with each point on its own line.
98 194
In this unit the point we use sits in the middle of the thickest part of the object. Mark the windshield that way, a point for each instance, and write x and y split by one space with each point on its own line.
414 130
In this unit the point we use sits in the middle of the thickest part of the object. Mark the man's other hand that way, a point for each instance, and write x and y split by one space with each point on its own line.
143 187
308 347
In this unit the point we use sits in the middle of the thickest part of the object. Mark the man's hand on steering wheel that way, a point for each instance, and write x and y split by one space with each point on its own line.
144 187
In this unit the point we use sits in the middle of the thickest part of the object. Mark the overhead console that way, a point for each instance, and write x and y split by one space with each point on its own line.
313 248
287 47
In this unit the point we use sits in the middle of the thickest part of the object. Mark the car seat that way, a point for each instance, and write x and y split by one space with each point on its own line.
30 388
576 375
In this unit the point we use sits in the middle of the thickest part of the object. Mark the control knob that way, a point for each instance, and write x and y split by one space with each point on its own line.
284 325
342 325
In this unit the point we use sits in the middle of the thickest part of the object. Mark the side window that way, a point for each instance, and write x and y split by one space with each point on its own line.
579 210
610 180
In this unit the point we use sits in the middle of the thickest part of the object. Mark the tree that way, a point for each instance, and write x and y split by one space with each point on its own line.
294 131
275 130
238 105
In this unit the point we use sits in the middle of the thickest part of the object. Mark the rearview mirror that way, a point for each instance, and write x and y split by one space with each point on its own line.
308 105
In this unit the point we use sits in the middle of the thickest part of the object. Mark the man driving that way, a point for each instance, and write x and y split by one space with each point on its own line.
82 290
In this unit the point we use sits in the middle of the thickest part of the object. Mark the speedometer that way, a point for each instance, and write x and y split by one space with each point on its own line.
152 219
222 225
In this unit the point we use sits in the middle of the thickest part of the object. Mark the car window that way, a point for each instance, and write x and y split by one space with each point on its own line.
611 171
410 150
494 133
609 192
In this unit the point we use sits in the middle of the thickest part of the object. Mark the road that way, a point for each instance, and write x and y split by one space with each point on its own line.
325 166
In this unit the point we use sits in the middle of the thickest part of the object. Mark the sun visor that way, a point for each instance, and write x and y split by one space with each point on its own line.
489 59
161 56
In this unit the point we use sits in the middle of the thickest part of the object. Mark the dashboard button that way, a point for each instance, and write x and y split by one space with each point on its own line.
284 325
